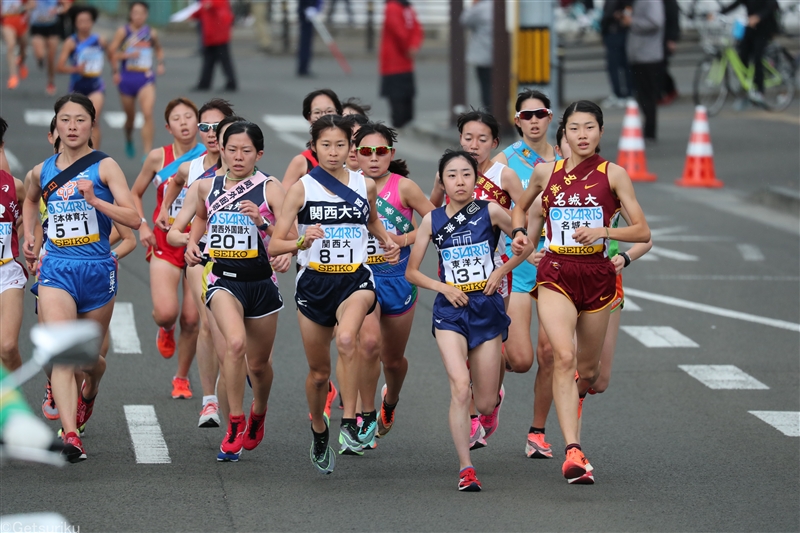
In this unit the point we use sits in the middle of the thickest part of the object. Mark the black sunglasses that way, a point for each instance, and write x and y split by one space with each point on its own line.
528 114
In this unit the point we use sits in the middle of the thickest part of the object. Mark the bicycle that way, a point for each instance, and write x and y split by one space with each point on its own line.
722 71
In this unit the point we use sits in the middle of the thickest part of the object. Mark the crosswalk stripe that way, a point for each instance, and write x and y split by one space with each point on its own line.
750 252
631 306
14 164
672 254
659 336
787 422
722 377
291 123
116 119
148 441
124 338
39 117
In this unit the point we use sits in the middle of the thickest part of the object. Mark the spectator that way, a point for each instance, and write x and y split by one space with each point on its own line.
615 36
260 11
306 10
401 39
762 25
672 34
478 19
347 8
646 56
216 20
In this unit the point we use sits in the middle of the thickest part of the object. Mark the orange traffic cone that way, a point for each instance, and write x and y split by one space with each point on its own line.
631 145
699 169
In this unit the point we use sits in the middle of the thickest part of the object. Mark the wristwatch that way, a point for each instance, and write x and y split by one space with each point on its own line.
264 224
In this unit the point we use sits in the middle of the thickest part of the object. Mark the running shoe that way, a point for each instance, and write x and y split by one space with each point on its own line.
85 408
467 481
73 448
255 429
209 416
49 409
13 82
51 89
348 441
490 422
165 340
332 392
385 418
322 456
181 389
575 465
476 440
367 433
537 448
232 444
585 479
130 149
23 69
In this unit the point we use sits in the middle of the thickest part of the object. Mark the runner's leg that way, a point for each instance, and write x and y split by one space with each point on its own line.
453 349
11 307
147 100
129 107
229 315
98 99
350 316
369 371
260 341
519 349
393 354
187 340
317 345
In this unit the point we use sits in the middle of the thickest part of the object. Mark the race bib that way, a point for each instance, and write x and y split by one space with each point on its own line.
92 60
467 267
177 205
563 223
375 252
72 223
232 236
341 251
143 62
6 231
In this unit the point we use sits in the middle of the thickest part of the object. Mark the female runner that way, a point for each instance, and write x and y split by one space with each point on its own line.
581 197
469 318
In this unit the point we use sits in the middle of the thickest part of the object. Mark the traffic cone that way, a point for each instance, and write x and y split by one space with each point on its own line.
699 169
631 145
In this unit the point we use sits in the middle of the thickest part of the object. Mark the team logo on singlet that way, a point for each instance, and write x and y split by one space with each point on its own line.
67 190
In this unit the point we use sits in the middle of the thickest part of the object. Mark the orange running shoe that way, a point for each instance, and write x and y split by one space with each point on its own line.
13 82
575 465
51 89
181 389
332 392
23 71
165 340
537 448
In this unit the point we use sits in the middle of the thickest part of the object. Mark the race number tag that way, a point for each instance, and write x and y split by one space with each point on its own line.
72 223
375 252
143 62
232 236
177 205
6 231
92 60
563 223
467 267
340 251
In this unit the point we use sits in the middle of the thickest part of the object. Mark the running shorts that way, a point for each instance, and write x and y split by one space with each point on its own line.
92 282
619 297
524 279
87 86
259 297
12 276
590 284
481 320
17 22
318 295
131 83
395 294
165 251
52 30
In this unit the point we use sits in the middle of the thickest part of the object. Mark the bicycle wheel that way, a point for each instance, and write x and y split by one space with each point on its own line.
778 78
710 89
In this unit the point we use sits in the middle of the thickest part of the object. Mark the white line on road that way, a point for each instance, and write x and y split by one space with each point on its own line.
672 254
722 377
693 238
630 305
787 422
658 232
659 336
116 119
14 164
750 252
292 123
39 117
148 441
124 338
710 309
715 277
292 140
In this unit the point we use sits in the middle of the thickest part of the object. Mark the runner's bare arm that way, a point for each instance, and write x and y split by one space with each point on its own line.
123 209
538 182
280 243
176 236
276 195
296 170
30 217
638 230
159 50
151 165
512 184
174 187
413 197
500 158
437 193
66 50
502 220
126 238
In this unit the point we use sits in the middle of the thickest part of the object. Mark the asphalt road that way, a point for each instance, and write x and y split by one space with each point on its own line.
670 452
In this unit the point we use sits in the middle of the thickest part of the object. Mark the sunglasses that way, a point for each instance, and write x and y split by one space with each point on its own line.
207 126
379 150
540 113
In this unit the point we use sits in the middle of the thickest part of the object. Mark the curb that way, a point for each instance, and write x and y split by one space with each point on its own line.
779 198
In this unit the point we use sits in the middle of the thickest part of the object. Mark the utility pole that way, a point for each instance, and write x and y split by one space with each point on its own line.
501 68
458 82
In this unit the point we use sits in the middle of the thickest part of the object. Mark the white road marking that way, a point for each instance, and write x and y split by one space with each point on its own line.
710 309
658 232
292 123
292 140
39 117
649 257
124 338
720 277
672 254
693 238
148 441
750 252
116 119
722 377
14 164
787 422
659 336
630 305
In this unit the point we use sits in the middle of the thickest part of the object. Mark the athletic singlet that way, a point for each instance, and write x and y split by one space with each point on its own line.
377 259
495 175
344 247
75 229
161 185
233 239
195 171
88 53
141 42
11 7
311 159
44 13
582 197
466 257
9 214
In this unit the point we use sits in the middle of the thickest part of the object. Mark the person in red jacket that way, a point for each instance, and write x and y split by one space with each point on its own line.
216 19
401 39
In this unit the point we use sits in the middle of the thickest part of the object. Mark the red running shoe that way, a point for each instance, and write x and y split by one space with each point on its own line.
73 448
232 445
575 465
467 481
165 341
255 429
